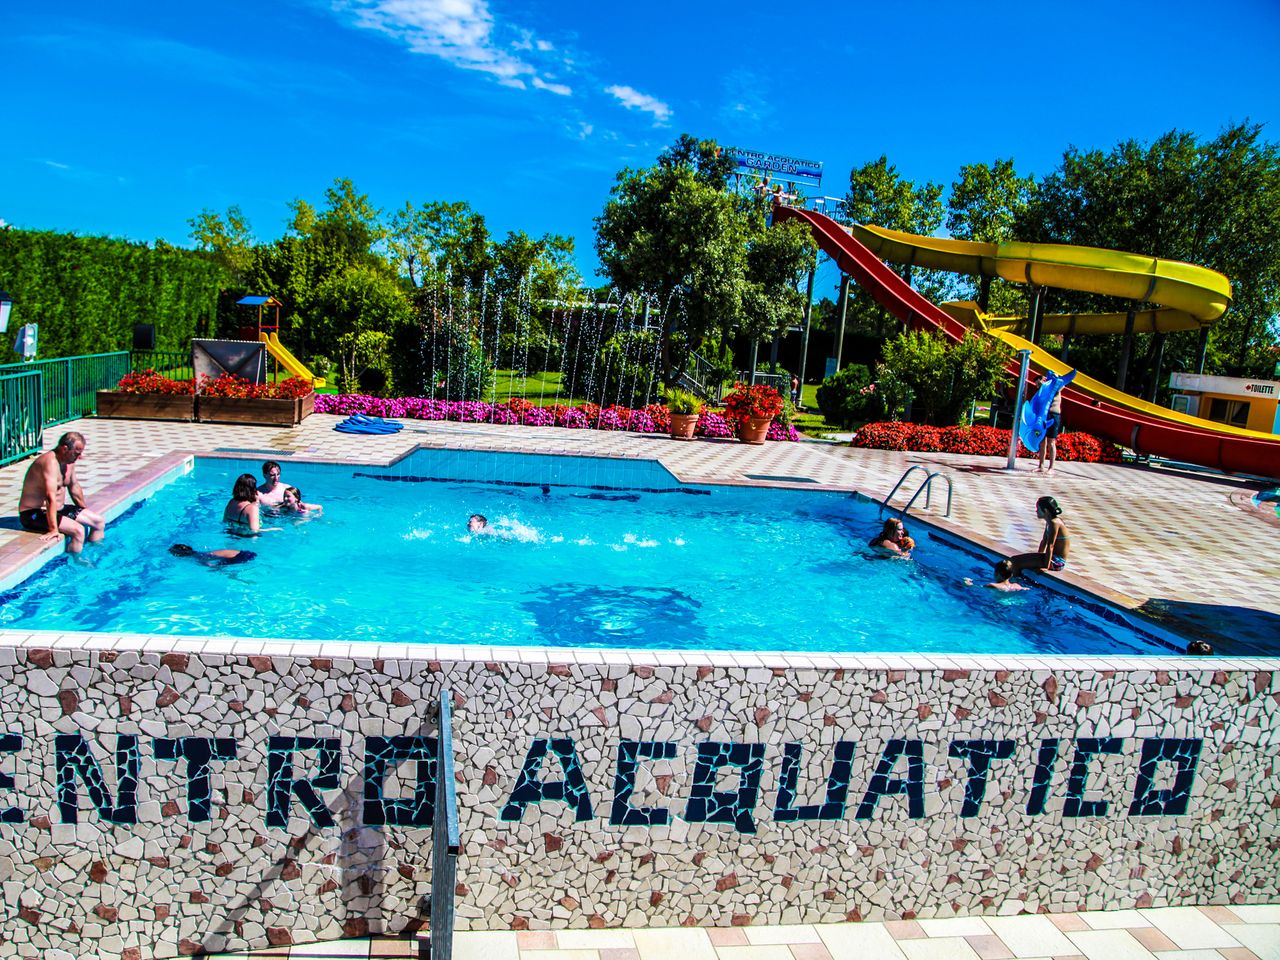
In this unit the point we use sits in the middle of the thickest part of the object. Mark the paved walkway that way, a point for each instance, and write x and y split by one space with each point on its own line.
1172 933
1171 541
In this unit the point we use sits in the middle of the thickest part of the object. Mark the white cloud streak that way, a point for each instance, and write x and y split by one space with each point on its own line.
460 32
633 99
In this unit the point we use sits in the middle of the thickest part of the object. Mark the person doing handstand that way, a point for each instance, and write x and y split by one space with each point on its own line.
1055 544
213 558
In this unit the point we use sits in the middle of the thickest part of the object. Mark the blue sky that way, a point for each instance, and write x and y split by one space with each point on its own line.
129 118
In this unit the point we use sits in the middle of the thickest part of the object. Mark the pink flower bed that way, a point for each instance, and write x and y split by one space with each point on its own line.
654 418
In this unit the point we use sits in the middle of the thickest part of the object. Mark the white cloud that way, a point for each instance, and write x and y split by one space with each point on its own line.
633 99
56 165
460 32
557 88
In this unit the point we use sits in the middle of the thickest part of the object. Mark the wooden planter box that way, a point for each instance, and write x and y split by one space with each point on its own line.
146 406
264 412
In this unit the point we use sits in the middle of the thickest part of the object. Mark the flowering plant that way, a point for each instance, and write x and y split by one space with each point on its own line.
654 418
760 402
981 440
229 385
148 381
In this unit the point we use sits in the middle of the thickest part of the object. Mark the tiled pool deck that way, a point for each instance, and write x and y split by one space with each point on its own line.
1174 933
1158 538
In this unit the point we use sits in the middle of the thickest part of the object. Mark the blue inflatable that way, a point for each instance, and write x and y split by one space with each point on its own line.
359 423
1035 412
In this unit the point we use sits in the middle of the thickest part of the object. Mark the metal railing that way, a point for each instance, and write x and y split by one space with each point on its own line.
924 488
21 419
702 372
174 364
446 842
779 381
70 385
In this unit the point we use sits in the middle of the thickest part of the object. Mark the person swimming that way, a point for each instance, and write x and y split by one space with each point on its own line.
893 539
212 558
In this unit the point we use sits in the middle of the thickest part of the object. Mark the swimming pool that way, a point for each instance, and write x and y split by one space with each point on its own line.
595 553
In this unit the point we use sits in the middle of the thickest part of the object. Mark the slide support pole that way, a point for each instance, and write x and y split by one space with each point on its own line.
1204 349
1024 364
1126 349
1154 385
844 310
808 317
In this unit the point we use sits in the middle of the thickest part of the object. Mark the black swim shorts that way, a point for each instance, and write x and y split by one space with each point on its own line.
37 521
1053 427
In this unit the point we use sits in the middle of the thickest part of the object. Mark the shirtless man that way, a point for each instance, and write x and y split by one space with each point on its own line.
1055 544
1053 427
271 490
43 507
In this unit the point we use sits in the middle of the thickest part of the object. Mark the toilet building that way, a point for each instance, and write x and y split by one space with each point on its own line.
1251 404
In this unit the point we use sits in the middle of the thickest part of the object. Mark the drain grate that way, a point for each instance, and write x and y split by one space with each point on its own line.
274 453
779 479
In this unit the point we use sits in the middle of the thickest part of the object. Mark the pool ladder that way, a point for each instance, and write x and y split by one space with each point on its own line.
925 488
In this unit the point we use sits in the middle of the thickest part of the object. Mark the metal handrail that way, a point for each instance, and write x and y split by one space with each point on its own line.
926 488
446 842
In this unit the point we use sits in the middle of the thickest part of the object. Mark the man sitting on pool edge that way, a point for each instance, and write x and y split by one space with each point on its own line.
43 506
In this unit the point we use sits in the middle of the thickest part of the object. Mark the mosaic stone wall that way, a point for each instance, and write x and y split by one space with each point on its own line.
157 805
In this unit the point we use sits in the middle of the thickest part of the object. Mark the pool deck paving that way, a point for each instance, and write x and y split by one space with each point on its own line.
1170 933
1141 536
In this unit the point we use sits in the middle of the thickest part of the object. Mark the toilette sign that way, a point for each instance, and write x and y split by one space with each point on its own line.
725 786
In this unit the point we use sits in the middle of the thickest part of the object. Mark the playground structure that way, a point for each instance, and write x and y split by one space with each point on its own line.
269 334
1189 297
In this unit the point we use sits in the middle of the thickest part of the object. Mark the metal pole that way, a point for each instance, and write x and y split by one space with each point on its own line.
1155 371
1126 348
1024 364
808 316
1204 349
844 309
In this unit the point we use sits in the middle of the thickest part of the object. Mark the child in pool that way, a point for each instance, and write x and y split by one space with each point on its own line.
292 503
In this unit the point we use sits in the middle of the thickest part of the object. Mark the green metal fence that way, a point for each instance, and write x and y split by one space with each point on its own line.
174 364
71 384
21 420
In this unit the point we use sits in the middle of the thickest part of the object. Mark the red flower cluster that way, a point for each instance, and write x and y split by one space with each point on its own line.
148 381
979 441
760 402
660 414
229 385
519 405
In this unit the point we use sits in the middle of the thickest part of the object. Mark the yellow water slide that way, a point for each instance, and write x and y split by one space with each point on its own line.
1189 297
287 360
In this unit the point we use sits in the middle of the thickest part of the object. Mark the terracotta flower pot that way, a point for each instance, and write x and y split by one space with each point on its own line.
683 425
754 429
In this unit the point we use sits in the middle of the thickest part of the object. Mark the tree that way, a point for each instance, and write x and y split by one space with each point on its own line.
674 231
361 309
1216 204
228 237
878 195
440 239
985 205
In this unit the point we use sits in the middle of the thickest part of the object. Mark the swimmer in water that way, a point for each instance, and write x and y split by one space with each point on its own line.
213 558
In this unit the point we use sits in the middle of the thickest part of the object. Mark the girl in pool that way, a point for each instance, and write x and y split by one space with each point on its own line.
893 539
292 503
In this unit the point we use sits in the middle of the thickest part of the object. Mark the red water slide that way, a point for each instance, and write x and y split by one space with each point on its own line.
1142 432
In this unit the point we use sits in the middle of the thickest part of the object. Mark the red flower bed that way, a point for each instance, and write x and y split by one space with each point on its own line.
148 381
229 385
980 441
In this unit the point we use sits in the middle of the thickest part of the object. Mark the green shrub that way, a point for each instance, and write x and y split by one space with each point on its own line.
681 401
844 397
943 381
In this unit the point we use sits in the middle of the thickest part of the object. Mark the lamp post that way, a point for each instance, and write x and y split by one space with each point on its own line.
6 307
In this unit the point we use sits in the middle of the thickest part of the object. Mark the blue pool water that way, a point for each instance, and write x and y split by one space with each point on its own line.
600 554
